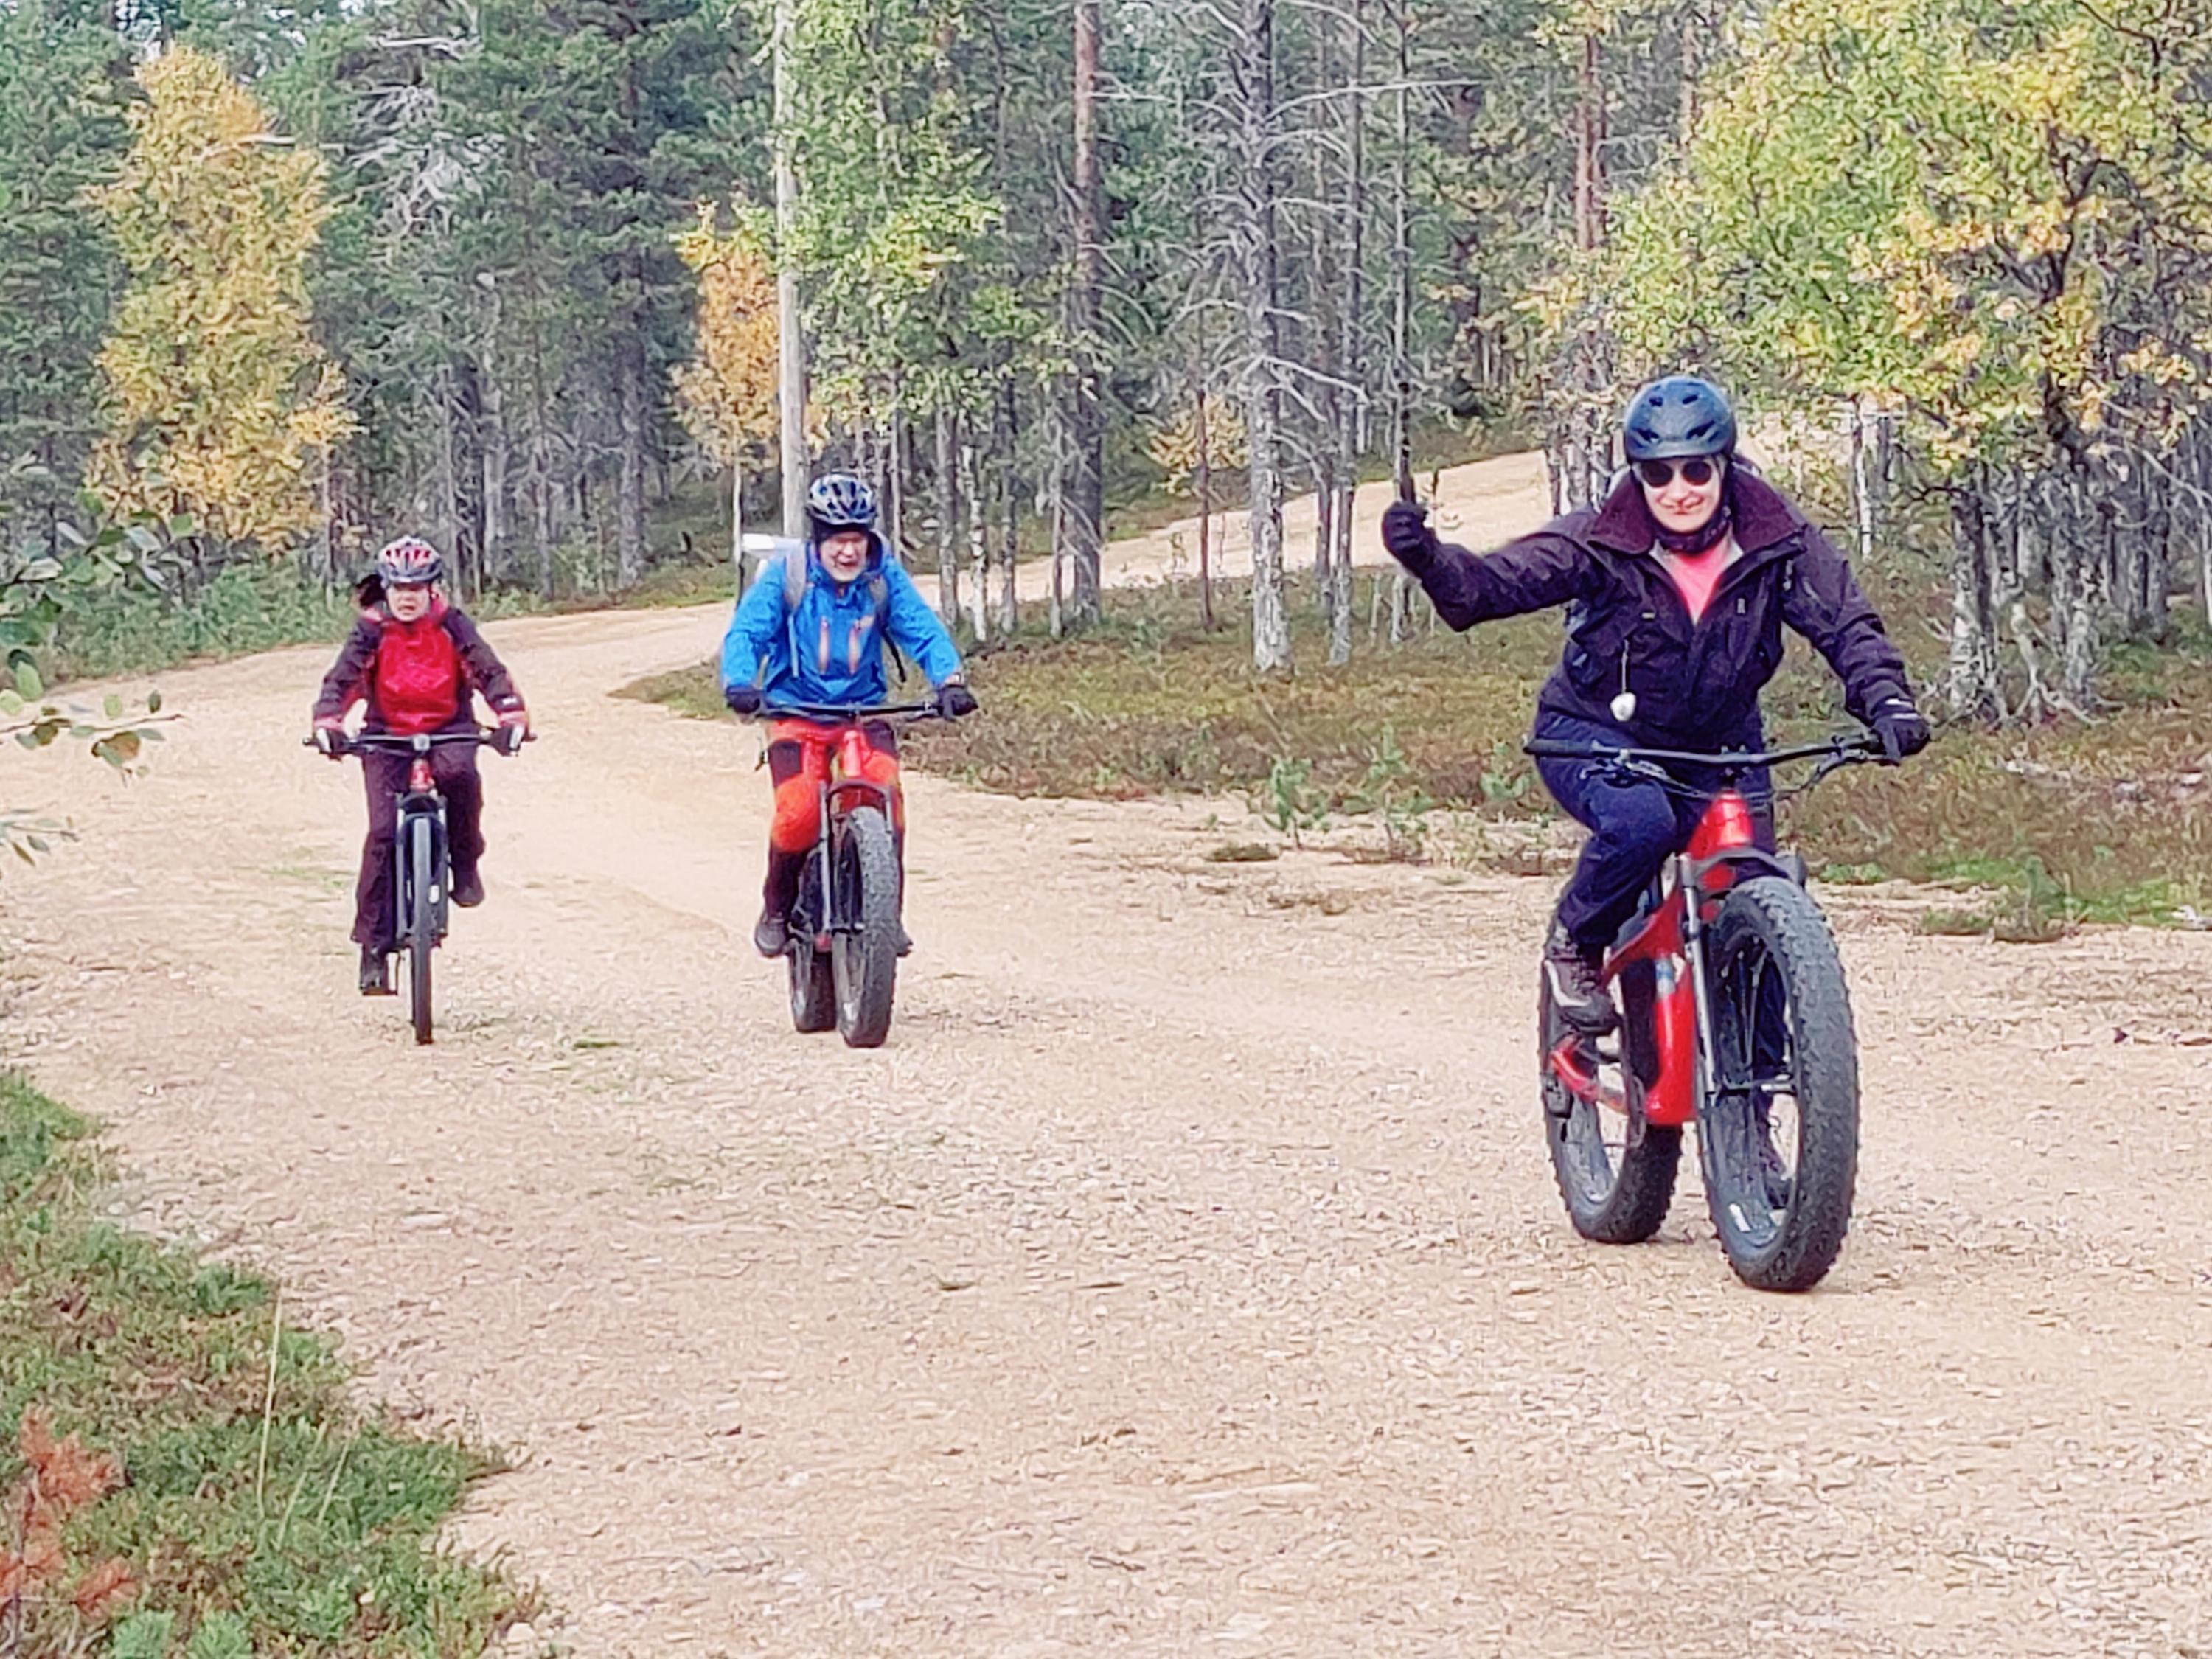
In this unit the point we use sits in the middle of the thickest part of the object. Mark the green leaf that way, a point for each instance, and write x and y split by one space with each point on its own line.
27 679
153 702
181 526
30 740
10 703
115 705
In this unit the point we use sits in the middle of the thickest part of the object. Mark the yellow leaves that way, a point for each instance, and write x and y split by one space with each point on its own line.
726 395
1173 443
218 392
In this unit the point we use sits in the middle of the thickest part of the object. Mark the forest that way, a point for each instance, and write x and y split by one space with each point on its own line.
507 272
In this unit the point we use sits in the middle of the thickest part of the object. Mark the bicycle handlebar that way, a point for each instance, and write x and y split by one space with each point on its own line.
847 715
420 743
1729 760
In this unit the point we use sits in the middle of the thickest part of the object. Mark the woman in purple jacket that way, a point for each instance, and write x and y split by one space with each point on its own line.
1676 588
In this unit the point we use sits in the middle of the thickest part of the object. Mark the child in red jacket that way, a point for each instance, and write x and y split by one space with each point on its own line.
416 660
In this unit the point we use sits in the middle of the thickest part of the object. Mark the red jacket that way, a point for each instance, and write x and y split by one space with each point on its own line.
416 677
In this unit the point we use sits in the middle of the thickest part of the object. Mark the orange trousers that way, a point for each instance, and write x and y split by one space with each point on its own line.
798 756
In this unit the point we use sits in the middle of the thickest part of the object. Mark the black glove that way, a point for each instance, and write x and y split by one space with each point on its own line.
1406 535
508 739
1902 729
329 742
743 700
955 700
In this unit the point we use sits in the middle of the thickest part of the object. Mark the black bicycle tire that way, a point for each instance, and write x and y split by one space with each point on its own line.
1795 1253
864 957
422 922
813 988
1630 1207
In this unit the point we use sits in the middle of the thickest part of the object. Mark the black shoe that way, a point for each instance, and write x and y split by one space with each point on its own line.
467 889
1571 975
375 971
771 935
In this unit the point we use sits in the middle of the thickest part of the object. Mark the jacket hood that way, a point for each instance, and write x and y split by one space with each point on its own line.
1763 518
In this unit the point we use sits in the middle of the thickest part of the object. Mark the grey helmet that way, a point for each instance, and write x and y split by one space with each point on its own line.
1679 416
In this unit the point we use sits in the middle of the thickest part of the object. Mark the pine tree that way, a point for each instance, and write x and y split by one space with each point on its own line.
63 79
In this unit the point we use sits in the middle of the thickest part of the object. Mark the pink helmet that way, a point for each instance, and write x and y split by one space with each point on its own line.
410 561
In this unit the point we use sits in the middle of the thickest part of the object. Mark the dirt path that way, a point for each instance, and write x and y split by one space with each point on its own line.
1185 1277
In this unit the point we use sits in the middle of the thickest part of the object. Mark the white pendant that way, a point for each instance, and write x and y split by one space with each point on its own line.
1624 707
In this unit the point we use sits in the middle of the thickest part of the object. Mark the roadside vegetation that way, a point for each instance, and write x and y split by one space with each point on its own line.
187 1473
2051 825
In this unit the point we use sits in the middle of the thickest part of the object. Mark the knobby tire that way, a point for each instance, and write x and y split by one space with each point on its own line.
863 956
1781 1014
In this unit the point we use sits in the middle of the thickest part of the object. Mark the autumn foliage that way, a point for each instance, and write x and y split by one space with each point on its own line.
61 1478
220 403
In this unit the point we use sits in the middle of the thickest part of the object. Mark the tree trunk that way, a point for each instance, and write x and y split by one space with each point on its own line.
740 565
1010 503
895 477
791 338
1862 481
1349 354
1972 686
629 491
498 449
948 518
979 565
1086 492
1254 69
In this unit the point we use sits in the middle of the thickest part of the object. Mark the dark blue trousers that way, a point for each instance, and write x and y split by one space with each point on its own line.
1635 827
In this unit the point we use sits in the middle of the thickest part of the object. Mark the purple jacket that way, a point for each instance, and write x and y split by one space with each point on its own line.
1628 629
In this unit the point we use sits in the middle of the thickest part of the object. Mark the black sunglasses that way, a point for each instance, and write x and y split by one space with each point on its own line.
1659 474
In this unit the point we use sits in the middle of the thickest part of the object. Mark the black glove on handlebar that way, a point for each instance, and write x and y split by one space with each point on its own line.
1902 730
1406 536
743 700
955 700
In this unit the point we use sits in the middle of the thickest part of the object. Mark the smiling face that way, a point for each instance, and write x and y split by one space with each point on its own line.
1680 502
845 554
408 603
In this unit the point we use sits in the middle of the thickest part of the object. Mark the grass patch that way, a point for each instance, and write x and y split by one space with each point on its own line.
205 1486
2109 821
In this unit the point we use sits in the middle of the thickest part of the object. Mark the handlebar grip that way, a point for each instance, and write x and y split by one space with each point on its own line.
1552 749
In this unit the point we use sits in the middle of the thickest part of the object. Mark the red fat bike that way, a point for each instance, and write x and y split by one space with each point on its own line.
846 933
1734 1012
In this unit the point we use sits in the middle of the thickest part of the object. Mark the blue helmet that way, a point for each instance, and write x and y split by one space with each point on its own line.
838 501
1679 416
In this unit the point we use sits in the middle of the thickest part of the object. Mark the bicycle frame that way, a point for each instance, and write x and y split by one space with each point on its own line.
840 793
1670 941
844 789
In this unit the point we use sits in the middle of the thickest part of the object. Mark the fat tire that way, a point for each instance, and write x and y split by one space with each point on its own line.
421 922
863 959
1794 1253
813 988
1630 1206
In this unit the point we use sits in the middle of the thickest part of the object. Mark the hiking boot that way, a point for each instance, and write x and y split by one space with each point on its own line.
467 889
771 935
375 971
1571 975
